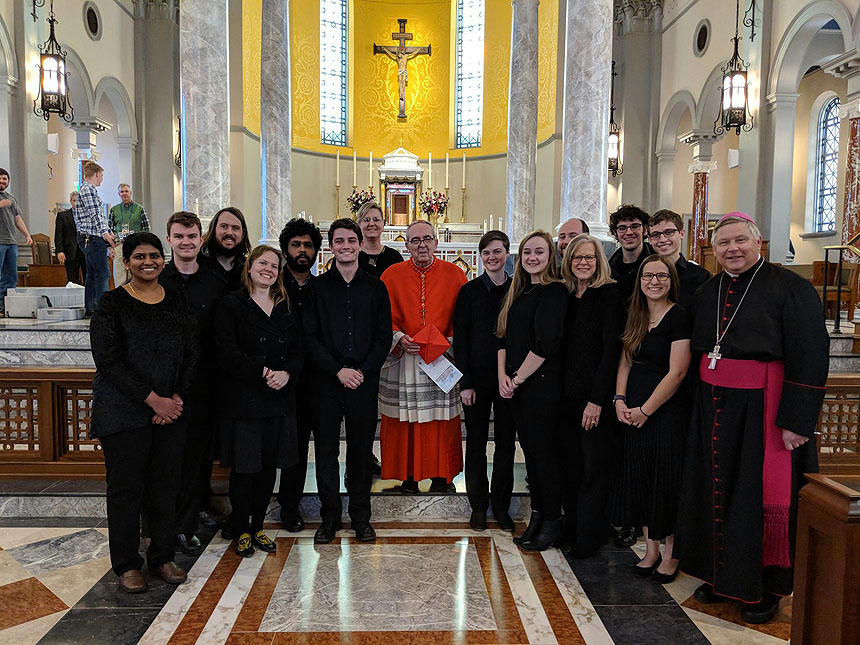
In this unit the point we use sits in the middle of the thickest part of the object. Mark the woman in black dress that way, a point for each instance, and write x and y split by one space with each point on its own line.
145 347
530 333
592 345
650 403
260 355
374 257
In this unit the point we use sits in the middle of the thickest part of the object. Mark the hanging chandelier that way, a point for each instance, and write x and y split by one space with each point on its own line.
614 140
734 91
53 90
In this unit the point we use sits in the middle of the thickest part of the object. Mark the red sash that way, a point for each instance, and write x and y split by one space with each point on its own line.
776 471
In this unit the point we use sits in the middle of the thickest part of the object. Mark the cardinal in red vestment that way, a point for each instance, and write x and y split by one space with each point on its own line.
420 433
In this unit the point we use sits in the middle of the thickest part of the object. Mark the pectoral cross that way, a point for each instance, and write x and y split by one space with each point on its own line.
401 54
714 356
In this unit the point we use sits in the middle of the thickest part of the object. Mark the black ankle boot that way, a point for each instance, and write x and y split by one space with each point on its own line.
550 532
531 529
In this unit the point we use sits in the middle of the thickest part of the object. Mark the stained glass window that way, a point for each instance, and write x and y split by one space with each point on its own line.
333 72
826 171
470 73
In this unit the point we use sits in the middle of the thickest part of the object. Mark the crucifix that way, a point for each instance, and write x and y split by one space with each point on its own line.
714 356
401 54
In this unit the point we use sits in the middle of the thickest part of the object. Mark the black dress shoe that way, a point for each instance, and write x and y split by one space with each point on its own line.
645 572
550 532
375 466
364 532
761 612
205 518
291 520
705 594
409 487
504 520
626 536
531 529
326 532
440 486
478 521
189 546
227 534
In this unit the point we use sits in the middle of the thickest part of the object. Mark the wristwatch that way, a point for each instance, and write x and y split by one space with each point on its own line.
618 397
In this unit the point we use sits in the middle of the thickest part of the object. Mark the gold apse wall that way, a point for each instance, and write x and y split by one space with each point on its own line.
372 80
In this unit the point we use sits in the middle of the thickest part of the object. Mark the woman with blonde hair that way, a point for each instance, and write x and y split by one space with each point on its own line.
530 330
260 354
592 342
654 413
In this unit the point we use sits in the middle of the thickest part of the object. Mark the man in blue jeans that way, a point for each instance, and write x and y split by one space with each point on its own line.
94 236
10 223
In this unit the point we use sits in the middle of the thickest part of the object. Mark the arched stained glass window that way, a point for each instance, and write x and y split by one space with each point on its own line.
470 73
826 169
333 15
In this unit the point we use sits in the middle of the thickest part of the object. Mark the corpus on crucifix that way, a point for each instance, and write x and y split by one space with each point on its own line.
401 54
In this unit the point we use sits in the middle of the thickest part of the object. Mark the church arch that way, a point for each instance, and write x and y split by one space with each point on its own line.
80 85
680 104
8 83
708 104
114 90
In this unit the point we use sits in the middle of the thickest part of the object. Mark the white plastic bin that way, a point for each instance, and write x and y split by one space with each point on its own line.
24 306
59 297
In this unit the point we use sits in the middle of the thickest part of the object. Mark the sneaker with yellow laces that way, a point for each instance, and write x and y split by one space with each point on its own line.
243 545
263 542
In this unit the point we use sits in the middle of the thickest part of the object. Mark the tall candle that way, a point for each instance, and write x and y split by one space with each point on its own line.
197 207
464 170
370 170
446 171
501 225
354 172
337 169
430 170
491 222
485 225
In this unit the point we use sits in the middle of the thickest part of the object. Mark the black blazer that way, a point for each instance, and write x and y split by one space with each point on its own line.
65 234
592 341
247 340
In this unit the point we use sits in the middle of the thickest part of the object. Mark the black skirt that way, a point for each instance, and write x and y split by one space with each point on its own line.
249 444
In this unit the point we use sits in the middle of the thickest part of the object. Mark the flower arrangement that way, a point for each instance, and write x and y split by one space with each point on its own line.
433 203
358 198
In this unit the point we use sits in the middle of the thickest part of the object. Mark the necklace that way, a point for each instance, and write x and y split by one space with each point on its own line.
715 354
136 295
422 271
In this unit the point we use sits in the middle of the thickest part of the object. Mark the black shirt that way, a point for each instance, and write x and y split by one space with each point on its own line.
476 315
376 265
347 324
691 276
233 277
139 348
304 384
651 362
624 273
536 324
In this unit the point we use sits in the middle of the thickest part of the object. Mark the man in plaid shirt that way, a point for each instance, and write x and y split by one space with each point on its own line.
94 236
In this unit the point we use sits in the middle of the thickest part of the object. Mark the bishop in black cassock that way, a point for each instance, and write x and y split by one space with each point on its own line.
738 503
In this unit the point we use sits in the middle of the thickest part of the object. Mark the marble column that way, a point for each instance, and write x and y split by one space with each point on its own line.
851 205
587 69
275 119
700 170
203 60
522 121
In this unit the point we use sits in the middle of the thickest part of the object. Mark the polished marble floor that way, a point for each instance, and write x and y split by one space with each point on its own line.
421 582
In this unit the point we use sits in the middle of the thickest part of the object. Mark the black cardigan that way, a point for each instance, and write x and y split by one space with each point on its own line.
592 342
139 348
247 340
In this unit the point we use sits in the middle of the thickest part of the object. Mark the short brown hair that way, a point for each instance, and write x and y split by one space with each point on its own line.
665 215
90 168
344 222
184 218
492 236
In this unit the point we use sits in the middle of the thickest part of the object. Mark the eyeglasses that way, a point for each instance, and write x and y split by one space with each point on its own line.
668 234
587 258
623 228
367 220
416 241
661 277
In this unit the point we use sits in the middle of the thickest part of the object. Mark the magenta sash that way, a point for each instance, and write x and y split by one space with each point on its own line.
776 470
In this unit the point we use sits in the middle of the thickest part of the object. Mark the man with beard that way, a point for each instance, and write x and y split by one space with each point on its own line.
203 290
226 245
300 242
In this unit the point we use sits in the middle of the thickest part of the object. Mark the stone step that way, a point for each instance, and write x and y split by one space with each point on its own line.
46 357
23 338
841 363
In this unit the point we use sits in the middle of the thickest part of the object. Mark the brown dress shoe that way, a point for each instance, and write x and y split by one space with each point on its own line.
132 581
170 573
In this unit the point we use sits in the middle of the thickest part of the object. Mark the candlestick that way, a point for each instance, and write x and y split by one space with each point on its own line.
485 225
464 170
337 168
446 173
491 222
354 171
501 226
370 170
197 207
463 205
430 170
337 200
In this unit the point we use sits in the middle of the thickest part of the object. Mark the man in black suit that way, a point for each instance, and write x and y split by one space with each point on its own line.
66 244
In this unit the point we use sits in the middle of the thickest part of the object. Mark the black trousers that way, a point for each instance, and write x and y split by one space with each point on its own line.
358 408
249 498
143 470
477 419
194 486
292 484
76 267
536 408
588 475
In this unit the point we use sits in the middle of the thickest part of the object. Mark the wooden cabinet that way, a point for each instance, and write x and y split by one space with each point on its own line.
826 605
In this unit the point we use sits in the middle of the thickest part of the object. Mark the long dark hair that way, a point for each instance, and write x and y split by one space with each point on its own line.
639 315
245 245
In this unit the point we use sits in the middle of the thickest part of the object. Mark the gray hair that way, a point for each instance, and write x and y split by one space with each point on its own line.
734 219
73 194
420 221
121 186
